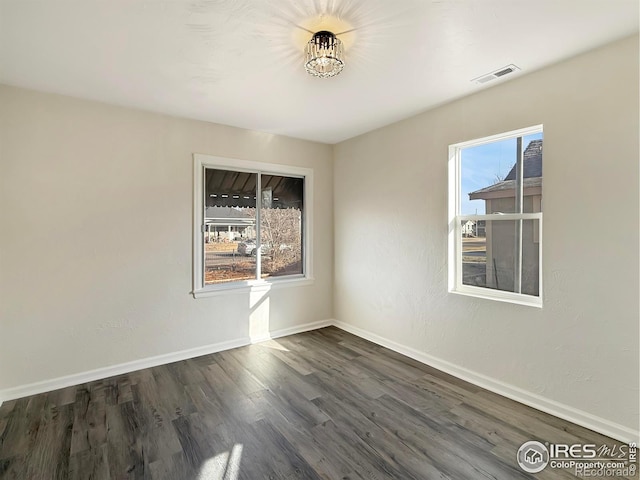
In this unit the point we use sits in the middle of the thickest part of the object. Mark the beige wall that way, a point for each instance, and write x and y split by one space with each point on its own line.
581 349
96 236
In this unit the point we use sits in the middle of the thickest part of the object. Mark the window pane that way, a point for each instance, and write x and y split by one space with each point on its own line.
487 178
532 186
474 260
230 226
281 225
531 257
493 260
502 247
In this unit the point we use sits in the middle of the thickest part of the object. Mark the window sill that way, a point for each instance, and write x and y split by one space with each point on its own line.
497 295
252 286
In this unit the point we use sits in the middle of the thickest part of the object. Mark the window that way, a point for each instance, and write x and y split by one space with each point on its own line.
495 215
251 224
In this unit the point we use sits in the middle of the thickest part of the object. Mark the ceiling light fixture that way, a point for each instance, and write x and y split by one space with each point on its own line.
324 55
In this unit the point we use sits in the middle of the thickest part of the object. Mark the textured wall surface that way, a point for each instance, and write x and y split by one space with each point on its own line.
96 236
581 348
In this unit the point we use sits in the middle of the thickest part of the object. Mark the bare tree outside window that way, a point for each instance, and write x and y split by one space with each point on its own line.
281 225
282 234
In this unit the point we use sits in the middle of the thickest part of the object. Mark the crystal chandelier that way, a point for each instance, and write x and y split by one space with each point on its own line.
324 55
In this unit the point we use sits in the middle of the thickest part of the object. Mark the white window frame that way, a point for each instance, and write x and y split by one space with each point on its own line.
455 284
200 163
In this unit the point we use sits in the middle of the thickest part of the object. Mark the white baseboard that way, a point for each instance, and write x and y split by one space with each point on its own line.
579 417
105 372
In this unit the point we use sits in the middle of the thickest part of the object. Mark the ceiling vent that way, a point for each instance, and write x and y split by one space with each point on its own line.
501 72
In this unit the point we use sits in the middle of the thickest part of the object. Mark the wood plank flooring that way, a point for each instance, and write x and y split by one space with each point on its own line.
319 405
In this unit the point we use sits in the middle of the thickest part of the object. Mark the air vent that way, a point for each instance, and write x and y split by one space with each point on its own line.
501 72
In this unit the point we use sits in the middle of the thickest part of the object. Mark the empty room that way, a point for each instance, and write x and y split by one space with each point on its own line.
328 239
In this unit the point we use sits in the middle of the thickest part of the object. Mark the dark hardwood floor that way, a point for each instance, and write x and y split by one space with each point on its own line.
322 404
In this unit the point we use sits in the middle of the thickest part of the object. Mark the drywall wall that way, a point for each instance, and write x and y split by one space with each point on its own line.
96 237
580 351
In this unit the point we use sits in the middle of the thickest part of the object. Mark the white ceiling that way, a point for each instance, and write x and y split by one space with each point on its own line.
239 62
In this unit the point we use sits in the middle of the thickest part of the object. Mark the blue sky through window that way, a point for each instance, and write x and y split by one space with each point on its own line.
485 165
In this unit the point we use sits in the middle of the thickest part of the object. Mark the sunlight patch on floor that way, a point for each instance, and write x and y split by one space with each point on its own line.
274 345
224 466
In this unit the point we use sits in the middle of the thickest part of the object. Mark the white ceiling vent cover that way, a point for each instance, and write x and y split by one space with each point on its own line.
501 72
